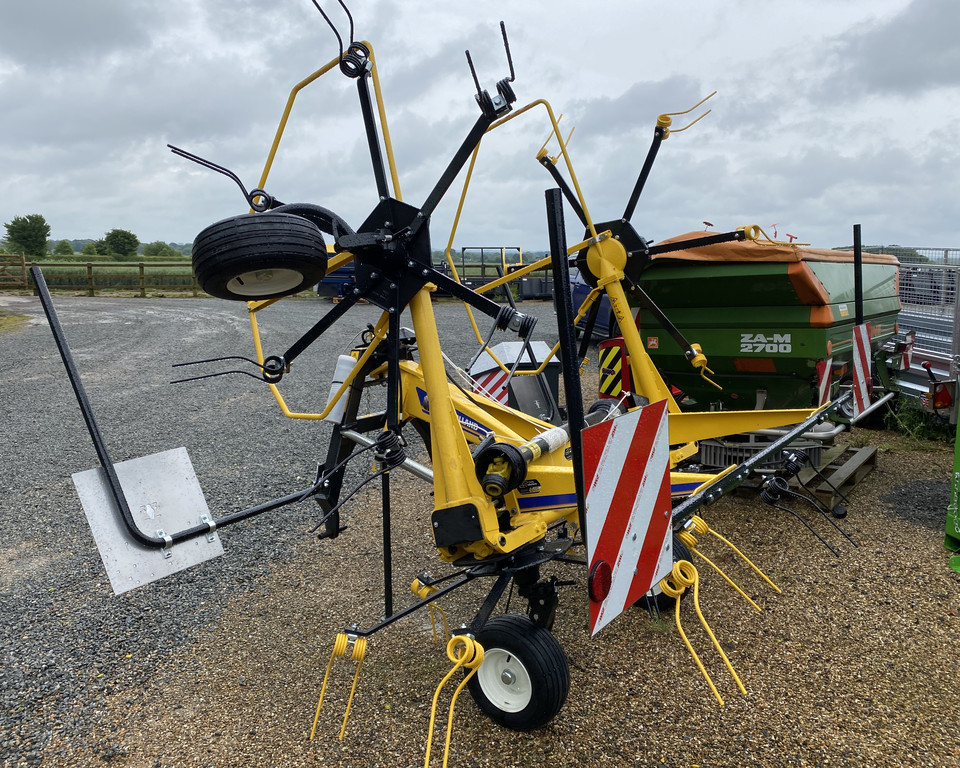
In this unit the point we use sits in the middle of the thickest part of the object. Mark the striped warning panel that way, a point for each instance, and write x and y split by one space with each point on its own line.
493 385
824 379
861 368
907 359
626 465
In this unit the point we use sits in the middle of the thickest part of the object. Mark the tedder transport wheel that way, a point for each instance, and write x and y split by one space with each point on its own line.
524 678
259 256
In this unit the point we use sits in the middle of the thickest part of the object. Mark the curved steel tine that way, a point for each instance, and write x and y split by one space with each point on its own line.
349 16
210 165
506 45
330 24
214 375
473 71
218 360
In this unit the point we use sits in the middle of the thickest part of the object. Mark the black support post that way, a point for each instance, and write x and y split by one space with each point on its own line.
569 359
858 273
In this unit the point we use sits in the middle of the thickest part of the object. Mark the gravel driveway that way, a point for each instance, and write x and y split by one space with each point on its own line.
855 664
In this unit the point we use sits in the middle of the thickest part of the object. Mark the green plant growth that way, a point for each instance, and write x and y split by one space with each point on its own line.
160 251
28 234
121 244
904 255
119 276
917 424
63 248
9 321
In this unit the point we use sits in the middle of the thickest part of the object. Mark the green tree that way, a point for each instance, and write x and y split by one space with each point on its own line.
904 255
159 251
101 247
63 248
90 249
121 244
28 234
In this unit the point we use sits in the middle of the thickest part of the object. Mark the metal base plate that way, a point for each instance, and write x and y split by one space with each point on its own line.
163 493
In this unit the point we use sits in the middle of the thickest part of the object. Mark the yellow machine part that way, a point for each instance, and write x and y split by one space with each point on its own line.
611 362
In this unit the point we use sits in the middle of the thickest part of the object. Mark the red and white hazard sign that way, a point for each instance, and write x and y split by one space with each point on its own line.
824 378
862 383
493 385
907 359
626 467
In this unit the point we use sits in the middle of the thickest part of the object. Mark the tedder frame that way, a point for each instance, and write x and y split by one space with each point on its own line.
508 489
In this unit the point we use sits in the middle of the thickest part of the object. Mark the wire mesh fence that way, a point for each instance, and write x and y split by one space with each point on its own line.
929 283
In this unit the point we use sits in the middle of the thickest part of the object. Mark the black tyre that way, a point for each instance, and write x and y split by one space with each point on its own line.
259 256
606 404
524 679
663 602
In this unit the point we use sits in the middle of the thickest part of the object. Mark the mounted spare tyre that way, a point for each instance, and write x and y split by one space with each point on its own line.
259 256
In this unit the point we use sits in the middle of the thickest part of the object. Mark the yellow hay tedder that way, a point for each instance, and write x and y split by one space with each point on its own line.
511 492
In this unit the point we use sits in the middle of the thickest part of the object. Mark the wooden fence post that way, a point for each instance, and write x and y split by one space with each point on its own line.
90 286
143 284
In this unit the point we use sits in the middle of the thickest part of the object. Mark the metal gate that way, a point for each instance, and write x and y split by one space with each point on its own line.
929 285
13 272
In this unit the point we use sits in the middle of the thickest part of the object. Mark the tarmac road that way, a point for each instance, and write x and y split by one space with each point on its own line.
65 640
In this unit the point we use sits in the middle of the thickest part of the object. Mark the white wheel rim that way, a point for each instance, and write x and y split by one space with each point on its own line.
260 281
504 680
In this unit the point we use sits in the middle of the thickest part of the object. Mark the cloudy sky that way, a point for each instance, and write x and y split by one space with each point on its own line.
828 112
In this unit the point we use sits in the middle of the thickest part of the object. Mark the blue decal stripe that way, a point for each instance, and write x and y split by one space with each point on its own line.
552 502
683 489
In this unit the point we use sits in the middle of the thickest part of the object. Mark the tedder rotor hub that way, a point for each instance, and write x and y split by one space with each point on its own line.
632 245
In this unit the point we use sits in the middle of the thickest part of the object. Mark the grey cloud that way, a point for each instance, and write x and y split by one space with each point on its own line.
915 50
54 33
636 109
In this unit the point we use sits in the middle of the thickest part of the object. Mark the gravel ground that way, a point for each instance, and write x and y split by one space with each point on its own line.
856 663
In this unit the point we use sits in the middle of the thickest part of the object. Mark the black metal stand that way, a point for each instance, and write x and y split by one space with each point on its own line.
569 359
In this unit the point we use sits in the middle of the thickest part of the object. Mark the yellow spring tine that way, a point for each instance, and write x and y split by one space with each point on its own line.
463 651
684 575
340 645
674 586
691 541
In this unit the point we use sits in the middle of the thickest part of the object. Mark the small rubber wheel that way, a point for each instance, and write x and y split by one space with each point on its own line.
524 679
259 256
